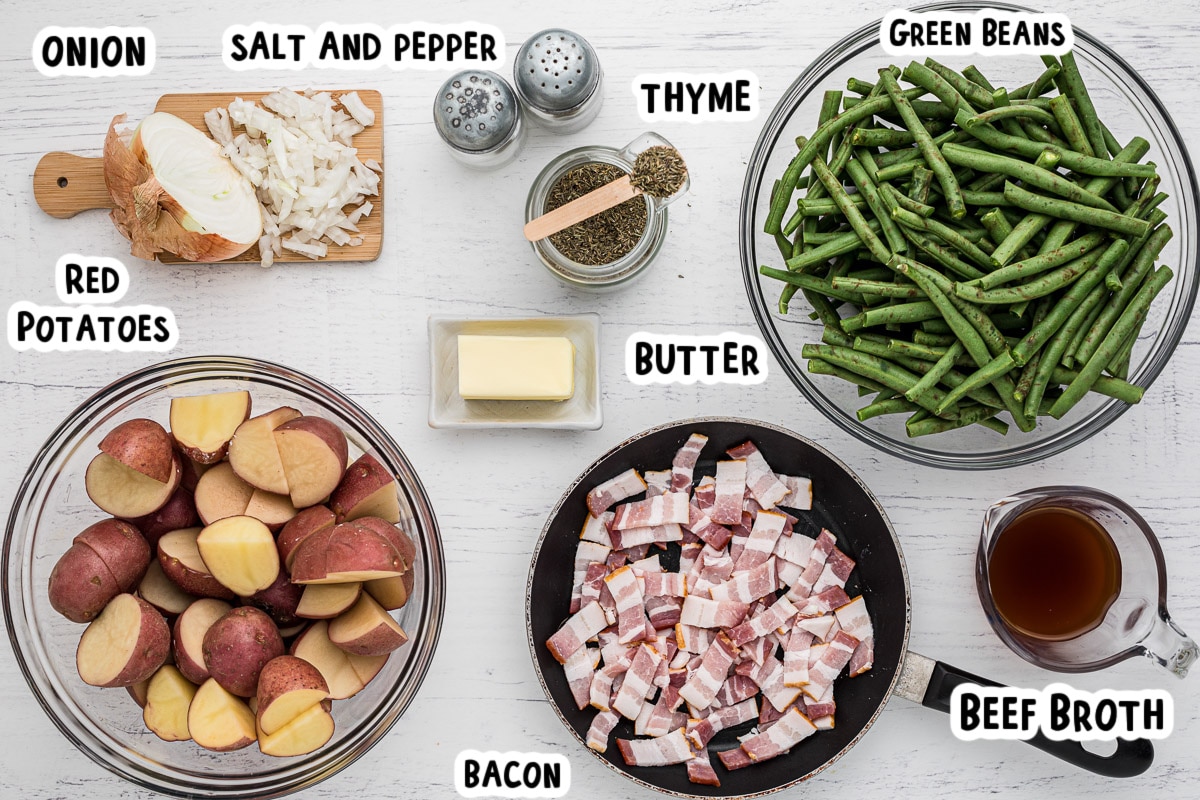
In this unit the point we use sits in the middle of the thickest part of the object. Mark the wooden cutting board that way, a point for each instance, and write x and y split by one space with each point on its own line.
65 184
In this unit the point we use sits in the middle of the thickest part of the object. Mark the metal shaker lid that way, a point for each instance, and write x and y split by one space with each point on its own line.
475 110
556 70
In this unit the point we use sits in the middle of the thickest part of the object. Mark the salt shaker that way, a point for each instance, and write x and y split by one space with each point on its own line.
558 78
479 118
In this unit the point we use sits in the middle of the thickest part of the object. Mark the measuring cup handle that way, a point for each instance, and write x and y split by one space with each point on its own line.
1132 756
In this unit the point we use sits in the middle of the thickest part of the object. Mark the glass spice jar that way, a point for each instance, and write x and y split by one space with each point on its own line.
622 271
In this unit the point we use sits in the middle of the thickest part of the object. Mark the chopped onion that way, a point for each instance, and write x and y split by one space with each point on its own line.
173 191
297 151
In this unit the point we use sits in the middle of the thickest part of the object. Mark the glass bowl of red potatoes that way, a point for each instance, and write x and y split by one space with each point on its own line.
245 627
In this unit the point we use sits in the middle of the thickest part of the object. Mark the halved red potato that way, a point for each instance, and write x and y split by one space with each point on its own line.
287 687
168 698
366 490
221 493
143 446
367 629
124 645
163 593
272 510
203 424
304 734
400 540
125 492
279 600
219 720
314 453
80 584
299 528
392 593
237 647
180 558
327 600
122 549
346 553
345 673
190 627
240 553
254 455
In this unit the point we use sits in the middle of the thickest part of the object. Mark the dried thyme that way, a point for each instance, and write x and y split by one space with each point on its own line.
605 237
659 171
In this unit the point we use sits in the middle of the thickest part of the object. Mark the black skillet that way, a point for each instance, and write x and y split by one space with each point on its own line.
847 508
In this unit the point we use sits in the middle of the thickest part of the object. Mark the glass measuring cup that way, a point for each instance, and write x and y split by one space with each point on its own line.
1136 623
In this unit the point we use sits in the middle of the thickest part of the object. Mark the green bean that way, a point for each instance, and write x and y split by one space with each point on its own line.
997 225
877 369
1033 341
1072 128
933 339
812 283
894 405
1064 209
973 74
882 137
921 184
823 206
1067 358
850 211
1124 327
1024 111
1109 387
949 235
1048 358
937 372
1073 86
883 315
819 366
870 274
958 324
974 94
859 87
922 76
897 170
1022 234
878 288
929 151
1039 86
819 140
1040 263
968 416
1041 286
866 188
846 243
985 198
1076 162
1139 268
1026 173
989 373
894 197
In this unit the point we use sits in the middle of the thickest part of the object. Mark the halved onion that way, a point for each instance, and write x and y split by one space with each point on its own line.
174 191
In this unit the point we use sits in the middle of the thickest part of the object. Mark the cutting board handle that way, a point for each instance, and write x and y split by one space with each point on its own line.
65 184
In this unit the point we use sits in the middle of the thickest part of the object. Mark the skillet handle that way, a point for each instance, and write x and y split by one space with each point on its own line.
1132 756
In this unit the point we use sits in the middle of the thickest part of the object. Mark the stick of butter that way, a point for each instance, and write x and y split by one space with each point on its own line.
515 367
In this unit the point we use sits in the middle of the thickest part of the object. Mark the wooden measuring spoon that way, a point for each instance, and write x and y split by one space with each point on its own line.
594 202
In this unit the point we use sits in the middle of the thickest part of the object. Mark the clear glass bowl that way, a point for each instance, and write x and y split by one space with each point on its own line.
1128 106
51 507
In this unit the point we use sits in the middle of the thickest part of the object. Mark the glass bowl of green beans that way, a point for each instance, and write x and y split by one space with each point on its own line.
972 262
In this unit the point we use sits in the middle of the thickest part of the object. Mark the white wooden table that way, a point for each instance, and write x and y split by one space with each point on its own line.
452 246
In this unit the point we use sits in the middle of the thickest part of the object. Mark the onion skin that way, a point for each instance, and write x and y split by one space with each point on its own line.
147 216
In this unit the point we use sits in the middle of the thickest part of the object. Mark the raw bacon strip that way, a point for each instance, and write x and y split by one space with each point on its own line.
795 658
855 620
734 758
663 612
638 683
837 569
700 770
760 479
818 710
768 527
665 584
625 485
791 729
631 615
835 656
710 532
688 554
706 681
603 680
662 717
774 617
705 493
748 586
575 631
586 553
649 565
795 549
693 639
770 679
579 671
636 552
816 564
658 752
643 537
817 626
823 603
758 649
712 613
616 559
595 529
684 464
799 494
863 658
600 729
658 483
789 573
736 689
701 731
731 486
666 508
592 580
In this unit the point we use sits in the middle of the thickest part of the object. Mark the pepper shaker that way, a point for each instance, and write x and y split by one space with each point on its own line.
559 80
479 118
